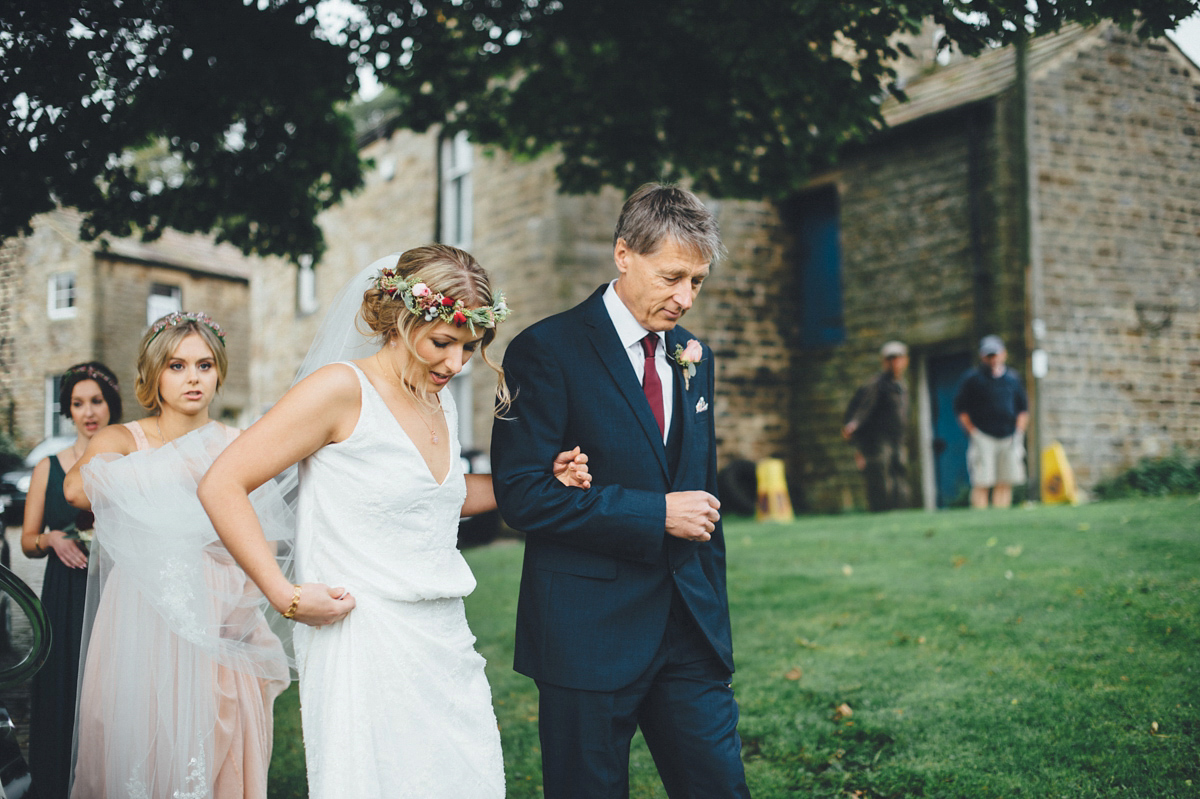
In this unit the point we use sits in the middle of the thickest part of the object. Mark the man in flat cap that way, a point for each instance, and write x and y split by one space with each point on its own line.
991 405
875 422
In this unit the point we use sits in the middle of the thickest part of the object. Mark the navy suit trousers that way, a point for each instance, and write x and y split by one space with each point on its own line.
685 706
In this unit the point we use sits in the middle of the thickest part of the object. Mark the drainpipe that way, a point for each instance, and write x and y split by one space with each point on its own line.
1035 325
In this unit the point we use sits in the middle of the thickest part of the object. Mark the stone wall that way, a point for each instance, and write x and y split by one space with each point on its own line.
41 347
912 269
742 314
932 222
11 265
121 289
1118 181
547 252
395 210
109 319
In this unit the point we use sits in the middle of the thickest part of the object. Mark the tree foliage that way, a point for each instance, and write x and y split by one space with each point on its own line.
248 99
242 102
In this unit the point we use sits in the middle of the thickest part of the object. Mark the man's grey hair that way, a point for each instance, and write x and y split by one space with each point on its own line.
657 212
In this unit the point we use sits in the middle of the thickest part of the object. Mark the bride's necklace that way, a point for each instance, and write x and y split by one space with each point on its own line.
433 436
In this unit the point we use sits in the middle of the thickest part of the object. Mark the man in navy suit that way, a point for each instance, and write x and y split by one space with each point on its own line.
623 619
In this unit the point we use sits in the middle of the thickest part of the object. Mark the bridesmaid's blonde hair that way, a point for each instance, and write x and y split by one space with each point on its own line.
159 344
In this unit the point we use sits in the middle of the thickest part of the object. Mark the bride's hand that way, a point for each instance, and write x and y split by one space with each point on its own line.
571 469
320 605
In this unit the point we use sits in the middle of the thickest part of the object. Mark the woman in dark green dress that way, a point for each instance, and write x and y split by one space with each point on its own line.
54 530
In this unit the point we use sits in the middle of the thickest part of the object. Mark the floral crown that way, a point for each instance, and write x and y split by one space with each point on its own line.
424 301
91 373
179 317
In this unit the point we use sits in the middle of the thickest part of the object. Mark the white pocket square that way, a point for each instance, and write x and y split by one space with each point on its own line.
701 406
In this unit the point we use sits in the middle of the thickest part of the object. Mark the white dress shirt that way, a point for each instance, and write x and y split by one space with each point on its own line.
631 333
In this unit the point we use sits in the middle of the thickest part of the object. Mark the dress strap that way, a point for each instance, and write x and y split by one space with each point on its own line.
139 435
364 385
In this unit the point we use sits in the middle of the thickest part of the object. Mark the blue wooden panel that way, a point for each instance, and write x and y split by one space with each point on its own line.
946 373
820 269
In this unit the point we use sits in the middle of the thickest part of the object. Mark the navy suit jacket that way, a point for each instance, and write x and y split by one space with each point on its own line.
599 567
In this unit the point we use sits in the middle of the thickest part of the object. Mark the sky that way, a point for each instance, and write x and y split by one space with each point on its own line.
1187 36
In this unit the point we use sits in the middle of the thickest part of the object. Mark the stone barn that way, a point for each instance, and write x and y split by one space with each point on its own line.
1050 195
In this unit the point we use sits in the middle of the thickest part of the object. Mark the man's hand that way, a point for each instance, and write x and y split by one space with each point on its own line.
965 421
571 469
692 515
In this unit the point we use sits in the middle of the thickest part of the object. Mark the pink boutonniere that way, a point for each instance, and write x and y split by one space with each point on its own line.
687 358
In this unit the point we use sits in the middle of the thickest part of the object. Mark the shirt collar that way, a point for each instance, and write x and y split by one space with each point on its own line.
629 330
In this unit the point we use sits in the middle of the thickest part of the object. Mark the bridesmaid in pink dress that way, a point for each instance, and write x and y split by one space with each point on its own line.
180 669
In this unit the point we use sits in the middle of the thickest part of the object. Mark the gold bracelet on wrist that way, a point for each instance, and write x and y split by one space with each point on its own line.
37 544
291 611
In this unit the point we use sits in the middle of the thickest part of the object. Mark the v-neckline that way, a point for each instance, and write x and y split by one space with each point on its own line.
408 438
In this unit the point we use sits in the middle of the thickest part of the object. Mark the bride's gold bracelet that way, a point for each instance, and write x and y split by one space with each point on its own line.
291 611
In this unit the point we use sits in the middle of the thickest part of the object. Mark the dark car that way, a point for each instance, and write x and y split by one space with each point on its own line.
14 485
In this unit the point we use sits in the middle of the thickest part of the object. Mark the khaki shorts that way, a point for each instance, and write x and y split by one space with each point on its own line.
992 461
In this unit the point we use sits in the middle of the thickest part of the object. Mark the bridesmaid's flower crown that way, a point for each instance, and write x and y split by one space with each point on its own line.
179 317
421 300
92 373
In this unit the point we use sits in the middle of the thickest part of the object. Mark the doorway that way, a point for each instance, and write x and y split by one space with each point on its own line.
949 441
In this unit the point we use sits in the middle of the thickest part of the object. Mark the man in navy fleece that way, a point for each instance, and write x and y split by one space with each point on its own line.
992 406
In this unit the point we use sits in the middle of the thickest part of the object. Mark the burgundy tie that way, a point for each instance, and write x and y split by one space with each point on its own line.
650 382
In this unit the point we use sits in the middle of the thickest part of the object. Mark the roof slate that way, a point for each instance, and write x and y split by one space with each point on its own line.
192 252
991 73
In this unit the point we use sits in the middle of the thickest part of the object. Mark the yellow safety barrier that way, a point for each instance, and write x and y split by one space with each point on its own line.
1058 480
774 503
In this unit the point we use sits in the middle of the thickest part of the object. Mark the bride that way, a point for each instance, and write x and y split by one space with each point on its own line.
393 696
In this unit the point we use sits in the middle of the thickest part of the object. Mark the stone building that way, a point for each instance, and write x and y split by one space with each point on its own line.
1048 199
63 301
1052 198
546 251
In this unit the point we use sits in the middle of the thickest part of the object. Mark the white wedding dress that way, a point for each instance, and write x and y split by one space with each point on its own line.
393 698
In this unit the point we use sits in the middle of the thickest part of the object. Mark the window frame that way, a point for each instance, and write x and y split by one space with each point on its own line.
456 222
53 424
306 287
176 293
457 192
54 293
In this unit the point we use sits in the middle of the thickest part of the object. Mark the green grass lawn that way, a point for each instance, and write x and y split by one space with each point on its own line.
1051 652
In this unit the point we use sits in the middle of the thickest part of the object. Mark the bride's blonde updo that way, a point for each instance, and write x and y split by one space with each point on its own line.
445 270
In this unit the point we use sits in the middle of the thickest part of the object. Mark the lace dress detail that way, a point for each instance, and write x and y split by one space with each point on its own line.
393 698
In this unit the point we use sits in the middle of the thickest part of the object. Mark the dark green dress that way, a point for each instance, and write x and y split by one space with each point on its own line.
52 712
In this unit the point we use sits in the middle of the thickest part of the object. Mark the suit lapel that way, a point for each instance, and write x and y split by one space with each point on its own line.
686 406
608 347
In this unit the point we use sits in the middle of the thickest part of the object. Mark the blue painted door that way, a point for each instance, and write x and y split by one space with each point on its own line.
949 439
819 259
